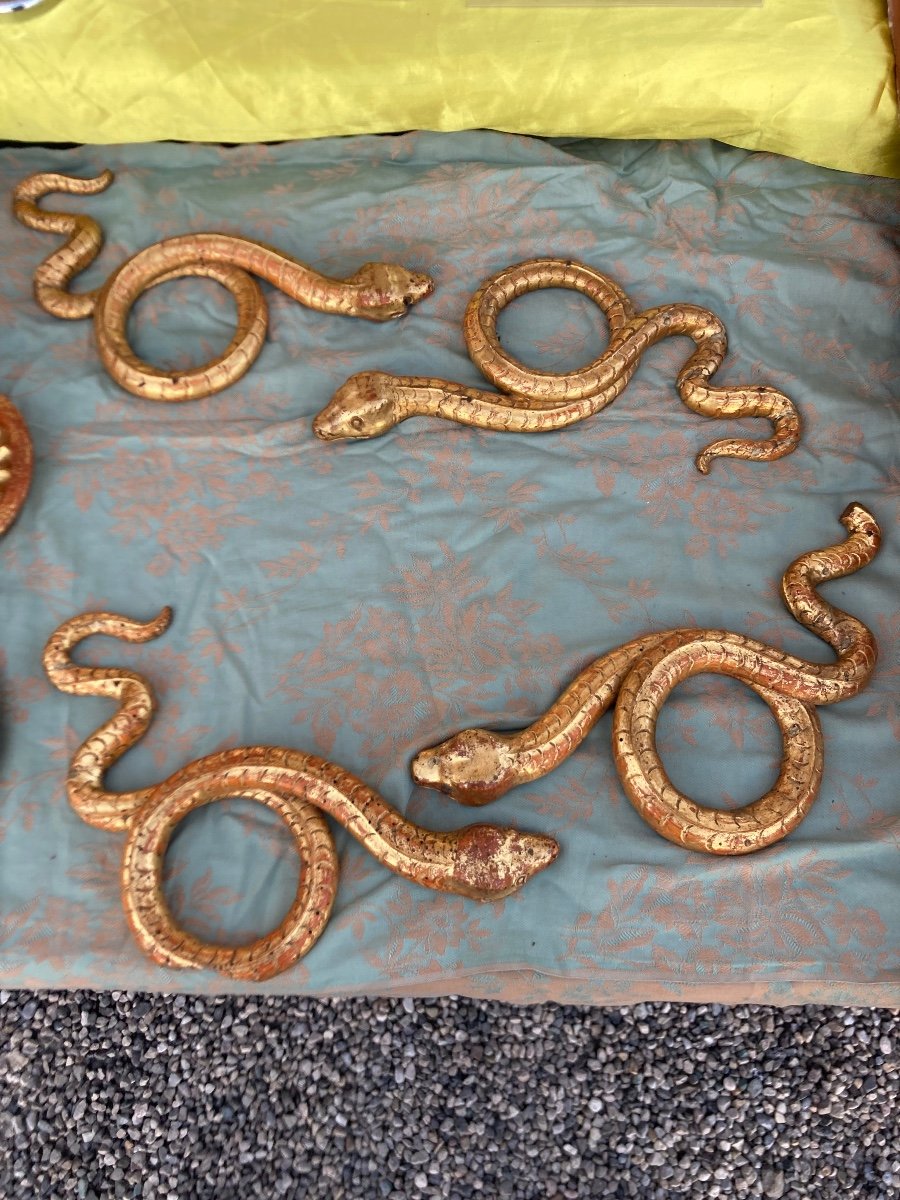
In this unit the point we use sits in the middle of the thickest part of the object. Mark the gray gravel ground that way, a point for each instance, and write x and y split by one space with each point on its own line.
123 1095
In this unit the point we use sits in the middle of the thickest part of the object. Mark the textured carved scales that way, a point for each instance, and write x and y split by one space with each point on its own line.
378 291
477 765
533 401
485 862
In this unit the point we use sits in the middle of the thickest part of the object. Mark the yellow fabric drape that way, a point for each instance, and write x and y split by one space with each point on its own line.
808 78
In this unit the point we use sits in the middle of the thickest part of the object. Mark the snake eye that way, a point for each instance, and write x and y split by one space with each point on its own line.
356 422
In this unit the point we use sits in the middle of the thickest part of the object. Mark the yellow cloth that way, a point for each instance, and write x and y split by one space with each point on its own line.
808 78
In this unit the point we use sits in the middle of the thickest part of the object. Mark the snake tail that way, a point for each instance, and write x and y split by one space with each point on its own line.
376 292
530 400
484 862
478 765
84 240
136 706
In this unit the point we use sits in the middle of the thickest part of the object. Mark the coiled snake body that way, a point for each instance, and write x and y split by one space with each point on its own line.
16 460
534 401
484 862
478 765
378 291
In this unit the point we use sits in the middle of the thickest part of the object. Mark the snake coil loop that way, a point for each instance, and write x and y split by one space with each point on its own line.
534 401
484 862
477 766
378 291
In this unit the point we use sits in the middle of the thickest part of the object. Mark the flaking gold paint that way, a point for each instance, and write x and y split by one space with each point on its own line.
477 766
485 862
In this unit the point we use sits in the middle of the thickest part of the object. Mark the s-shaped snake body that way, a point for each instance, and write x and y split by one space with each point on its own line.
478 765
16 461
378 291
484 862
534 401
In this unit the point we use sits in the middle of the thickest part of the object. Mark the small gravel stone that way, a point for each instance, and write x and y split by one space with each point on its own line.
773 1184
148 1097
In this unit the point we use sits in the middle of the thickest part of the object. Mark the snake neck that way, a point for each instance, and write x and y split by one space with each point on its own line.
84 240
423 856
534 401
183 254
564 726
507 413
400 845
377 290
851 640
90 799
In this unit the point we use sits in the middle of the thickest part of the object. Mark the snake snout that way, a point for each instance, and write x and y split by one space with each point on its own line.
420 286
425 769
541 851
322 427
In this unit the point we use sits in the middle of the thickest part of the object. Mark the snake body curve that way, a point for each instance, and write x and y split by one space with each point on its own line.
377 292
16 461
484 862
476 766
535 401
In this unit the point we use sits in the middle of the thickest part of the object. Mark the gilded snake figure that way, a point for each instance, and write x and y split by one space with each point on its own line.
484 862
16 461
378 291
478 765
534 401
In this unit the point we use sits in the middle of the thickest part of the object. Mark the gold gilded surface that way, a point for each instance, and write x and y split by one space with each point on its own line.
533 401
377 292
484 862
16 461
477 766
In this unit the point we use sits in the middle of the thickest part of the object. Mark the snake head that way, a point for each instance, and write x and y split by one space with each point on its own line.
857 519
363 407
492 862
475 766
386 290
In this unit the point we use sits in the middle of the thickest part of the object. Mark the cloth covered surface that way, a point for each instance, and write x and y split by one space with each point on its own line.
809 78
364 600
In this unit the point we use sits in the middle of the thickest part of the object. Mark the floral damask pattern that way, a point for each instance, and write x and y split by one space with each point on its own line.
364 600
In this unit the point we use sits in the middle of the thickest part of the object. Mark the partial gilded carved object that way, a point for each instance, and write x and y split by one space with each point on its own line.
484 862
477 766
16 461
377 292
533 401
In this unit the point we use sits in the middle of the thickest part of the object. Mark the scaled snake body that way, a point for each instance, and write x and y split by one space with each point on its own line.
478 765
368 404
534 401
378 291
484 862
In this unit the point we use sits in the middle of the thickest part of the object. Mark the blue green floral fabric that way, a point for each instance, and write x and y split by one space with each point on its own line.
363 600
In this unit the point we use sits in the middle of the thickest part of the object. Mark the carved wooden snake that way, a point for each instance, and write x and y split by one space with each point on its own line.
16 457
484 862
477 765
378 291
536 401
